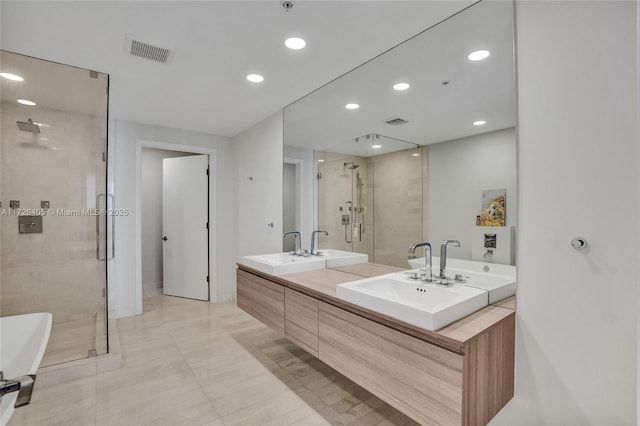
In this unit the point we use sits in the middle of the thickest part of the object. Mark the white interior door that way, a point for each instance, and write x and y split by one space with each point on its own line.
184 225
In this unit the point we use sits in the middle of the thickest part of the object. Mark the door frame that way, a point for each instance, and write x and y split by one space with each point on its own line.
211 152
298 165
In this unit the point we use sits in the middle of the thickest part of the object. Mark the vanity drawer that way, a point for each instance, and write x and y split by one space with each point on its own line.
261 298
418 378
301 320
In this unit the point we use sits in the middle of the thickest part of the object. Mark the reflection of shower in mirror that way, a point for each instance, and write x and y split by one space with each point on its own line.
28 126
350 166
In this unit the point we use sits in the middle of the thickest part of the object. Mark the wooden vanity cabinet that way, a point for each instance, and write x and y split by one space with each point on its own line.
301 320
432 384
261 298
418 378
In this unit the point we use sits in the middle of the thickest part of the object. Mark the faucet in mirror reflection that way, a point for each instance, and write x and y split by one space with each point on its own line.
428 263
313 240
297 247
443 256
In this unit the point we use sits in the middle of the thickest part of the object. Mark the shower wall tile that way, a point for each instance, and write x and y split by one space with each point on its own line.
55 271
393 200
398 206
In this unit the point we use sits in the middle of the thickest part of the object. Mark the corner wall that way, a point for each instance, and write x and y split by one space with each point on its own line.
576 341
258 153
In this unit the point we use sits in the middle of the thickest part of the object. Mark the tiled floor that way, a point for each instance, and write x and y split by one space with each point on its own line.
70 340
195 363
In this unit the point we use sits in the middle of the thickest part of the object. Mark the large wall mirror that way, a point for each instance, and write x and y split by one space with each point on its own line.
410 165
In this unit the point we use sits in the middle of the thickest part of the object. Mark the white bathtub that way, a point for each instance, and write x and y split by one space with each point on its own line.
23 339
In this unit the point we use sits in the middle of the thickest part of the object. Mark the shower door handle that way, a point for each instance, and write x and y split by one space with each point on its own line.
97 214
113 226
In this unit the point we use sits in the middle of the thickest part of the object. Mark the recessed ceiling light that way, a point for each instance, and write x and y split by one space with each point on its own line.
479 123
415 154
479 55
401 86
255 78
10 76
321 161
352 106
26 102
376 146
295 43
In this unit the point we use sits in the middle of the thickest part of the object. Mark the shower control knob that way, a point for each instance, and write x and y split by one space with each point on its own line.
164 238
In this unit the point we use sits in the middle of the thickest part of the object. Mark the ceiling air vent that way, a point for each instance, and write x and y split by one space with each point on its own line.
396 121
141 49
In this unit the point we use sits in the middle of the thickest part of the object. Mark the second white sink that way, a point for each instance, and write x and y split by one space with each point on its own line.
283 263
337 258
429 306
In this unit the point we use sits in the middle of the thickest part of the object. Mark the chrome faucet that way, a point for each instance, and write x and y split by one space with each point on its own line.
297 246
443 256
23 385
427 263
313 240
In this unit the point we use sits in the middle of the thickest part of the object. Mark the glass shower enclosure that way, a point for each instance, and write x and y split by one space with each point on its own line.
370 197
53 216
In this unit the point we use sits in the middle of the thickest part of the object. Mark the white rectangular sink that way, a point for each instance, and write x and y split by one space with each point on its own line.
283 263
499 286
337 258
429 306
467 265
499 280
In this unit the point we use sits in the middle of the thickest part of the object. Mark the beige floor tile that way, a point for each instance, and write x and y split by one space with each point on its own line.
70 340
69 403
192 363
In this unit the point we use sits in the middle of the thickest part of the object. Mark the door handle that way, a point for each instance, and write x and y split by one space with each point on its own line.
98 227
164 238
113 226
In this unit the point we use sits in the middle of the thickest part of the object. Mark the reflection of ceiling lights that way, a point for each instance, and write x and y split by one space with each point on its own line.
26 102
352 106
10 76
401 86
415 154
255 78
321 161
479 55
295 43
376 146
479 123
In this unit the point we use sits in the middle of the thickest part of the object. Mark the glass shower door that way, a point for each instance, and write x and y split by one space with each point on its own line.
342 201
53 218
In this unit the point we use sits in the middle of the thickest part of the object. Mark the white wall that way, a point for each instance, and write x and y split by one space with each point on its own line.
258 156
151 205
459 170
122 291
307 219
576 341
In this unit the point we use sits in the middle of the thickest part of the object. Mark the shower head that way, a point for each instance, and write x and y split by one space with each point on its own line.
28 126
351 165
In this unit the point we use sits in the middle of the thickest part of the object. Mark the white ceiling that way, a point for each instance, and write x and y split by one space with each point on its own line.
215 44
482 90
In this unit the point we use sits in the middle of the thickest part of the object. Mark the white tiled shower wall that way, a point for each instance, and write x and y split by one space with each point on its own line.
55 271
